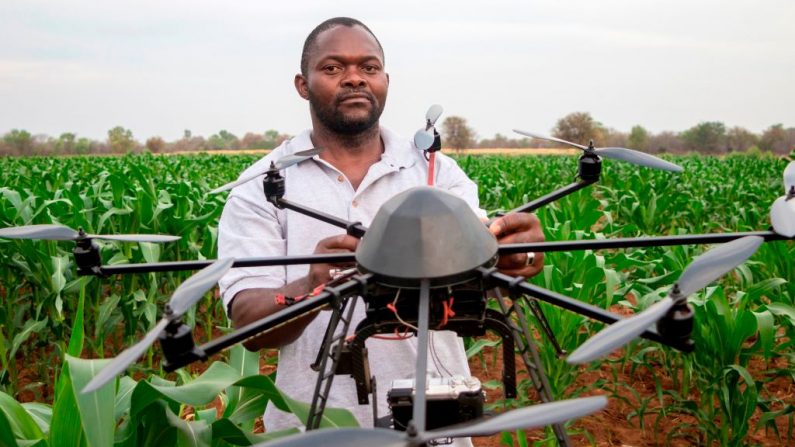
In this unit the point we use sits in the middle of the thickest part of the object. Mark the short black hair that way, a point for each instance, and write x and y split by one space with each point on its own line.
309 43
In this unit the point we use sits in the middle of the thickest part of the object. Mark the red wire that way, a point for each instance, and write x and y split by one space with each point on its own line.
431 165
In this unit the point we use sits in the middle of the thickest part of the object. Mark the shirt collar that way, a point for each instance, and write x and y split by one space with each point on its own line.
398 152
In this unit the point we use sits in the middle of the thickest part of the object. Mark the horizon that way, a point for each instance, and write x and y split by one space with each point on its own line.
158 69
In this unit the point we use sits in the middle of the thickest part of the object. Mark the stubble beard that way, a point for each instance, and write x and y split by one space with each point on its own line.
331 117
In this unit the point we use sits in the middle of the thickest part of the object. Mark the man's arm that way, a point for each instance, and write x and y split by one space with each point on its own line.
250 305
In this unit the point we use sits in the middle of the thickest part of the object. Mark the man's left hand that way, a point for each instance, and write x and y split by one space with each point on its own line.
518 228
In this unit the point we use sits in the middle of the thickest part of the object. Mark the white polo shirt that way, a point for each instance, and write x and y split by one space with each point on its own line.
252 227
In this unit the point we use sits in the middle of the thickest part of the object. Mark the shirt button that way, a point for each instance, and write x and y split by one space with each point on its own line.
340 178
354 204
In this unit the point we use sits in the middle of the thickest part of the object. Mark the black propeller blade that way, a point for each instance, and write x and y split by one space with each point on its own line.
615 153
187 294
56 232
282 163
703 270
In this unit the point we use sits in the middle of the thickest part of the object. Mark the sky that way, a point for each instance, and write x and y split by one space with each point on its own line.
160 67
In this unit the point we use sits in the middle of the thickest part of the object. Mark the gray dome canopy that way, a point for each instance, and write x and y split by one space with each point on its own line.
425 233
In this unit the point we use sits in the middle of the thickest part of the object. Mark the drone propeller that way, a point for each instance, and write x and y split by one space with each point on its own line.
703 270
55 232
423 139
187 294
782 216
615 153
282 163
523 418
789 178
782 213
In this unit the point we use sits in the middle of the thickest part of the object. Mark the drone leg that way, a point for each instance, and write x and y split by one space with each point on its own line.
527 348
542 321
417 424
329 351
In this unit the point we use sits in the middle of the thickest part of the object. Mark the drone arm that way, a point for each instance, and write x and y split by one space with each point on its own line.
662 241
353 228
588 310
273 321
533 205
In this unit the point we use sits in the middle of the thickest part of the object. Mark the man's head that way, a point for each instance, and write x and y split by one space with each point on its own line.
342 76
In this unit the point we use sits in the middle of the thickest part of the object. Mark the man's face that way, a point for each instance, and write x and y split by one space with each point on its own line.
345 83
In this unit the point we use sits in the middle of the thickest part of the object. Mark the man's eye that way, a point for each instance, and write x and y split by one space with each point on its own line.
370 69
331 69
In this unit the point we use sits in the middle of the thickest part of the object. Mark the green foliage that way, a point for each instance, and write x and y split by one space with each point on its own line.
706 137
743 335
743 325
579 127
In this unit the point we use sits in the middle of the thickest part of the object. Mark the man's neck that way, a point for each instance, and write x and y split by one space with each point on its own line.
350 154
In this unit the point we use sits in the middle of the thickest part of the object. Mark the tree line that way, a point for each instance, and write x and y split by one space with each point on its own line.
711 137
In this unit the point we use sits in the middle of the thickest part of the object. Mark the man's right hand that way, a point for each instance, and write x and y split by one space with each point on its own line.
252 304
320 273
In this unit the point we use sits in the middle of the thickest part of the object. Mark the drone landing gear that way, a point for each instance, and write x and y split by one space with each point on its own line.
330 350
527 349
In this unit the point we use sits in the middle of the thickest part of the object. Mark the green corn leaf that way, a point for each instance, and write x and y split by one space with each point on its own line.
6 432
765 324
204 388
66 426
20 424
479 344
31 327
783 310
123 397
150 251
225 430
76 337
60 265
96 408
41 414
190 433
245 363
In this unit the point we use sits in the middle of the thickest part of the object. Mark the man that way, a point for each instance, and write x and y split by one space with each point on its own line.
363 165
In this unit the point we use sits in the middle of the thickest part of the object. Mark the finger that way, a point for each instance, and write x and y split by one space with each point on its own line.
339 243
514 268
513 223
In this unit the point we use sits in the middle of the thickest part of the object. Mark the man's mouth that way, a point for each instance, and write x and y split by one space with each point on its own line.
355 97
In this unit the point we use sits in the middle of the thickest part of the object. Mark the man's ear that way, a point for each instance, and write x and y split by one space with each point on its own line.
301 86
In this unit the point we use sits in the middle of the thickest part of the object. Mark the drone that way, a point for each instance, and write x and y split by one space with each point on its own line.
428 245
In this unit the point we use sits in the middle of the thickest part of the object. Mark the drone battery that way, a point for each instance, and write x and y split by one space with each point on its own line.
450 400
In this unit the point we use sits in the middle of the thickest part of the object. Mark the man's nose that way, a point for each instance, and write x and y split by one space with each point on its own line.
354 79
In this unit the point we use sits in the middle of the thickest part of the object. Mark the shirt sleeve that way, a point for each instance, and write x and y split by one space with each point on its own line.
250 228
453 179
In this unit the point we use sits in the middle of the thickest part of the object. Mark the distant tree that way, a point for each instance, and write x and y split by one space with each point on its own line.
739 139
578 127
638 138
65 144
272 138
612 138
121 140
665 141
20 141
223 140
187 134
252 141
83 146
708 136
156 144
457 134
778 139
